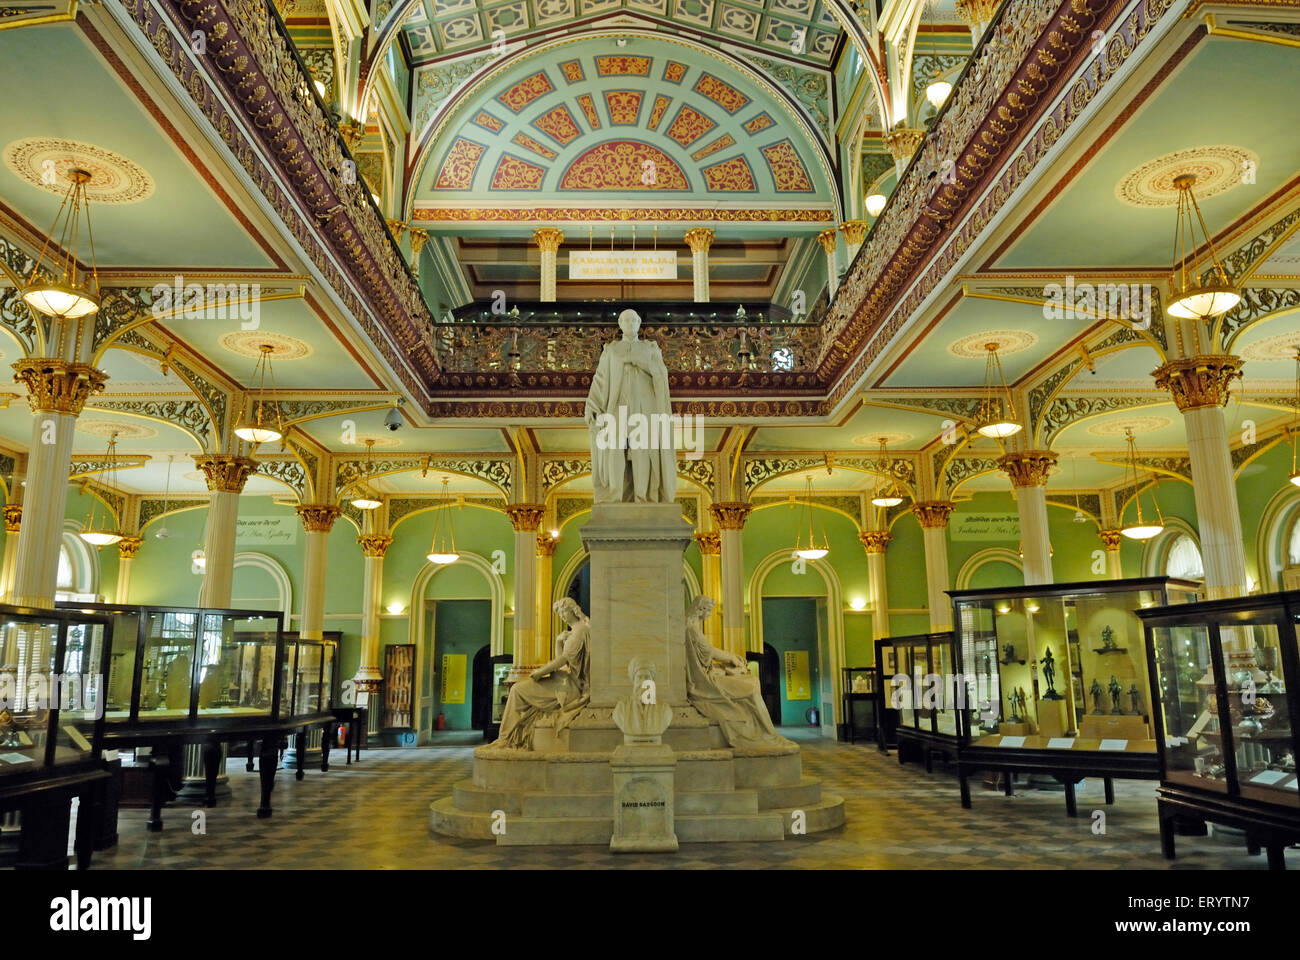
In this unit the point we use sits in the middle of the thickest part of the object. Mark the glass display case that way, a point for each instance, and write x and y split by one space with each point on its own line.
1225 698
1065 669
917 700
52 691
189 666
859 685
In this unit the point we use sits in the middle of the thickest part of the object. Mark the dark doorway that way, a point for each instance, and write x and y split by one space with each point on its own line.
481 690
769 680
580 586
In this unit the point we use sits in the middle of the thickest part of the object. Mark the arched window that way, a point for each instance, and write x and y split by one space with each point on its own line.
78 570
1293 546
1183 559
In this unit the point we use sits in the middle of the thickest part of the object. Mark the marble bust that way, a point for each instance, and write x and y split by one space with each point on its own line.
629 421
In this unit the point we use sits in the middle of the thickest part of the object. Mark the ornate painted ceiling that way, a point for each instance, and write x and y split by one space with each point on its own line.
594 125
741 129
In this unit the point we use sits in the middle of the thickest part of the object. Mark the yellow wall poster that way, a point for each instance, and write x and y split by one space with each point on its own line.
798 685
453 678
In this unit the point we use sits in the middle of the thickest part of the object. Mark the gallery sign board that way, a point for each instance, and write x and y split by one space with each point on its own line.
267 531
984 525
623 265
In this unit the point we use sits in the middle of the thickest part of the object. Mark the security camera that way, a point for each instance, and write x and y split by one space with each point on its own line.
394 420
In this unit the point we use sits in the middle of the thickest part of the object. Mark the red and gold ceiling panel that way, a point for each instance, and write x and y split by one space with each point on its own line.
688 126
589 108
572 70
759 123
730 175
621 66
720 92
624 106
558 124
788 172
458 168
657 111
724 141
526 91
488 122
515 173
528 143
674 71
624 165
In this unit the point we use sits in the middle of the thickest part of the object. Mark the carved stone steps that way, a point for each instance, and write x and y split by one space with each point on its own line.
826 814
723 828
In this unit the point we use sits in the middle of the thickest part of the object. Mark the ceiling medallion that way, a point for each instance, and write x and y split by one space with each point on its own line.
124 429
1217 169
249 343
1138 425
1280 346
873 439
45 161
379 441
1008 341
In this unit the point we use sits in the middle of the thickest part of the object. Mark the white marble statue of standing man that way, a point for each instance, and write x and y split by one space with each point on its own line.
629 419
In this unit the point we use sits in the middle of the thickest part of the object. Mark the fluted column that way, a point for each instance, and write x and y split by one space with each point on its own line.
855 231
933 517
730 518
548 240
57 391
1112 540
901 144
317 519
368 676
827 239
699 239
875 542
13 515
529 652
127 548
226 475
1200 387
710 544
1028 470
542 624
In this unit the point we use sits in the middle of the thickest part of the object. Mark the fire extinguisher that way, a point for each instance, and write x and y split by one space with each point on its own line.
341 737
441 722
812 716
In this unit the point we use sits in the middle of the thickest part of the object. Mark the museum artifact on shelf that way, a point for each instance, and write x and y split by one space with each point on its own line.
1225 697
52 669
860 710
1055 680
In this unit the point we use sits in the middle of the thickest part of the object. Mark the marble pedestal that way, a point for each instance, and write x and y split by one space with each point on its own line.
643 798
638 597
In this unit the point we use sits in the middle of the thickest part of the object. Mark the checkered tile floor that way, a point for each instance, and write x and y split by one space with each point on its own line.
374 815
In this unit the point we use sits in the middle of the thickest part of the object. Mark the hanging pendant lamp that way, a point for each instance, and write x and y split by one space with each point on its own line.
95 533
56 291
811 549
937 90
443 549
262 426
888 495
1141 529
997 411
1190 299
365 498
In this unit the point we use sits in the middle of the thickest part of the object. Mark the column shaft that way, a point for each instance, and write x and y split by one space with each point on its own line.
711 566
548 240
1218 518
311 622
1035 542
368 674
877 595
36 563
935 540
13 516
219 550
730 518
531 651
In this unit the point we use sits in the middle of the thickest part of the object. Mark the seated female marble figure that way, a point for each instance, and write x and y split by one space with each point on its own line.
719 685
561 687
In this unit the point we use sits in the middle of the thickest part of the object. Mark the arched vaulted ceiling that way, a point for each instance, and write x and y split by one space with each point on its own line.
651 121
